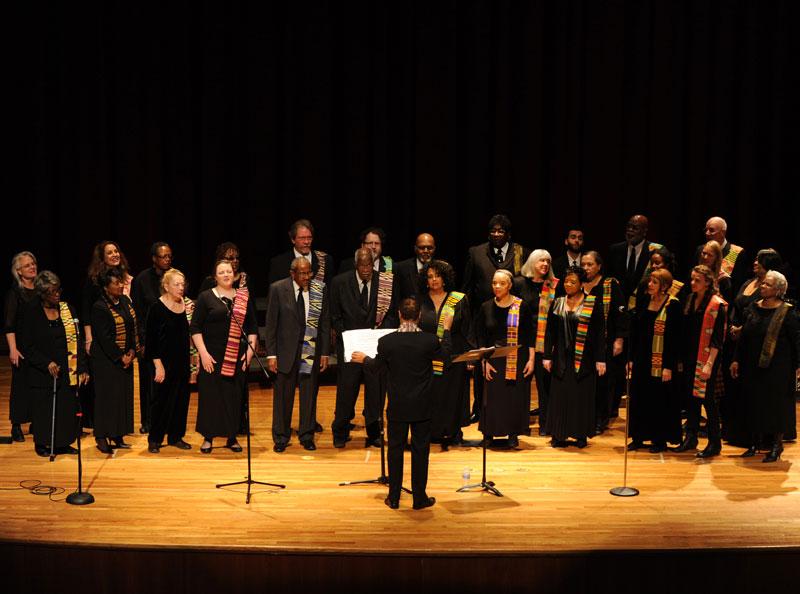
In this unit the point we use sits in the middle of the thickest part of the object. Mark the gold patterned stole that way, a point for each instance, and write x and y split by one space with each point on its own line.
545 299
729 261
120 332
771 338
71 330
512 336
448 308
659 326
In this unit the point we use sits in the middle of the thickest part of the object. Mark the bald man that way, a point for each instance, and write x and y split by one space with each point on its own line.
628 260
409 275
735 262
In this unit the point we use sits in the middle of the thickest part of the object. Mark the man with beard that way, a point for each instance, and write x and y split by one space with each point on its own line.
572 257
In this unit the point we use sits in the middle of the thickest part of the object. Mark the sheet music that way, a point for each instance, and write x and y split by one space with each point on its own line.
364 340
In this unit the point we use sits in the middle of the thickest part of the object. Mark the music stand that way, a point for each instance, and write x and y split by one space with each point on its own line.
469 357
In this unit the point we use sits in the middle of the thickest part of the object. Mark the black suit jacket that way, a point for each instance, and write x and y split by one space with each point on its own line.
561 264
285 329
279 267
481 267
350 264
145 291
617 265
407 281
346 310
408 357
36 341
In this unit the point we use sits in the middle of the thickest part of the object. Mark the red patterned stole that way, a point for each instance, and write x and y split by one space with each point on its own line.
194 356
583 329
512 336
234 332
704 348
657 349
729 261
545 299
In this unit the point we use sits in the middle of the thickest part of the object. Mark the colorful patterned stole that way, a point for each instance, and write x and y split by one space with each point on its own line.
235 332
704 348
729 261
512 335
583 329
320 276
194 356
120 335
659 326
771 338
545 299
448 308
71 330
309 349
606 300
385 282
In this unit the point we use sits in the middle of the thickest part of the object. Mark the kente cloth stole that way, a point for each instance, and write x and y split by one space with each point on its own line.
71 330
704 348
447 309
675 288
309 349
583 329
517 259
234 332
729 261
512 335
385 282
120 334
194 356
771 338
606 300
657 356
320 276
651 248
545 299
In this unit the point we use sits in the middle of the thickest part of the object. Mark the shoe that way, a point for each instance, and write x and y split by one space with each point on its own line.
749 452
711 450
657 448
688 443
42 450
457 439
392 504
581 442
635 445
279 448
102 445
144 429
153 448
181 445
317 428
474 418
513 441
338 442
233 445
777 447
69 450
374 442
427 502
308 445
557 443
17 434
206 449
119 443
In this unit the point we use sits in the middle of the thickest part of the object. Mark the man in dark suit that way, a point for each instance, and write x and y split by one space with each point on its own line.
572 257
628 260
409 274
356 304
301 235
736 262
408 355
482 262
298 330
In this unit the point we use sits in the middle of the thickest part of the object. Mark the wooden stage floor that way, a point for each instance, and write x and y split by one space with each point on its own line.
555 501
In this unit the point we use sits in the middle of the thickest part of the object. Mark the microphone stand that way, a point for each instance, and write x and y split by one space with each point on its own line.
249 480
79 497
625 490
53 423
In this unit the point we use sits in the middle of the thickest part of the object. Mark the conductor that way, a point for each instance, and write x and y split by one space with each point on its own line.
408 355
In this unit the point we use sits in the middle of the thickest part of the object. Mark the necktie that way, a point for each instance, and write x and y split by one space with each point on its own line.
498 256
364 295
301 306
632 261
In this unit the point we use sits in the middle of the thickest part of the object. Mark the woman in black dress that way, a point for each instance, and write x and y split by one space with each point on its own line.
167 347
767 361
504 321
574 355
222 380
113 351
535 281
23 271
450 391
54 351
654 409
608 294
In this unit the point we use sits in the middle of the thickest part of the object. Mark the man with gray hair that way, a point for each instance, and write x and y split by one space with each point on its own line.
734 261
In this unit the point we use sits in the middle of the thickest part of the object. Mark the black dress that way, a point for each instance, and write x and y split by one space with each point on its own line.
654 409
769 392
45 341
449 391
167 339
529 290
19 410
572 411
506 402
113 384
220 397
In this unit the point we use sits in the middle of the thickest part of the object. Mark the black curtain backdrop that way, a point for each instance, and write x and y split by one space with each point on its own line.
199 122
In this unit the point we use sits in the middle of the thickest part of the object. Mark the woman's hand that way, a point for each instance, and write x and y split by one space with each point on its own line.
601 368
160 371
547 364
15 356
528 369
666 375
53 369
127 358
208 362
734 332
488 371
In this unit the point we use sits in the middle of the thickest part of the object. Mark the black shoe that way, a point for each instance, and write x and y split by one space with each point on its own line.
42 450
233 445
317 428
774 455
102 445
474 418
427 502
635 445
558 443
206 449
689 443
279 448
338 442
513 441
374 442
657 448
145 428
69 450
457 439
711 450
749 452
581 442
17 434
153 448
391 503
308 444
119 443
181 445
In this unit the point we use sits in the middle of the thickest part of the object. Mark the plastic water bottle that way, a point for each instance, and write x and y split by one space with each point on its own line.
465 475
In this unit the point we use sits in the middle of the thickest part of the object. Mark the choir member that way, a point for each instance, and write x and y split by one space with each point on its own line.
301 236
572 256
711 256
409 275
